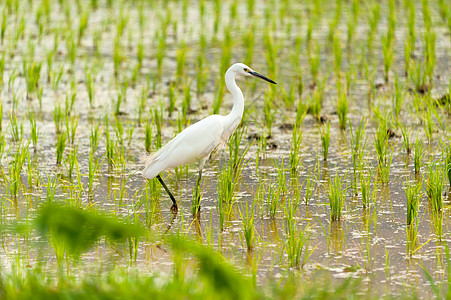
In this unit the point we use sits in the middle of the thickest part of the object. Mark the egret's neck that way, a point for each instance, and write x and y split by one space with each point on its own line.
238 100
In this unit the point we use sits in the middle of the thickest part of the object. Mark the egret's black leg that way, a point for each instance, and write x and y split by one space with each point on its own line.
174 207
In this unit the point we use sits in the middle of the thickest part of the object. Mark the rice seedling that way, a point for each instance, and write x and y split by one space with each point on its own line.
57 77
249 41
413 194
418 155
201 72
408 55
357 152
83 24
337 196
16 129
309 184
325 140
352 22
58 118
412 239
269 112
72 161
315 103
365 182
121 97
32 73
387 43
227 184
93 166
337 57
158 120
373 20
271 53
148 137
71 46
388 40
301 111
411 23
385 167
276 192
15 169
4 25
342 109
60 147
142 103
181 61
218 97
226 51
110 146
234 146
314 61
1 116
186 104
417 76
51 187
437 224
295 156
406 139
381 142
34 131
119 131
435 185
30 171
398 98
71 128
89 86
334 21
94 137
129 134
2 70
447 159
297 244
428 124
2 145
247 216
289 97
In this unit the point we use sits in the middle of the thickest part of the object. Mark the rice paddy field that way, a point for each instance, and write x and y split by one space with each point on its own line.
335 185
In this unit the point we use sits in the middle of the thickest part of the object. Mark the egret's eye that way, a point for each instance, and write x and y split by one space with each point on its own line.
246 70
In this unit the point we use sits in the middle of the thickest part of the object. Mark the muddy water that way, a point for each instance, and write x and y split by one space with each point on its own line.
367 243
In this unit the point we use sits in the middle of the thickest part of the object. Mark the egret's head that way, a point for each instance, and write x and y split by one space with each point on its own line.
242 69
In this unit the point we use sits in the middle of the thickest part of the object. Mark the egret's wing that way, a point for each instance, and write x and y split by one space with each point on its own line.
193 143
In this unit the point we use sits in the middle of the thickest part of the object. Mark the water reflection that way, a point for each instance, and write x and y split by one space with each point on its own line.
337 237
412 238
272 230
437 223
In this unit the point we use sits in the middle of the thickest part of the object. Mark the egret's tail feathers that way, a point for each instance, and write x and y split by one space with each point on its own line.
153 166
147 160
150 172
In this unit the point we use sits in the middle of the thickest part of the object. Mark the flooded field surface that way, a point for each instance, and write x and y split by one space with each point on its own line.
341 171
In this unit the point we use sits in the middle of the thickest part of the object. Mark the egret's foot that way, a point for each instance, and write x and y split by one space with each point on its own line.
174 208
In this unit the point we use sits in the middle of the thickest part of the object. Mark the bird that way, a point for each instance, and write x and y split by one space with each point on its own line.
199 140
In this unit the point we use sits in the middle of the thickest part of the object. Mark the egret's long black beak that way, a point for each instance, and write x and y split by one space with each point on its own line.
261 76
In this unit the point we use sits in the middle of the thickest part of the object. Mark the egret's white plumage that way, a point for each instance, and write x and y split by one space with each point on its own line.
196 142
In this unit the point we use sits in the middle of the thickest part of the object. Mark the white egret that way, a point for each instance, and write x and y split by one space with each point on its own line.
196 142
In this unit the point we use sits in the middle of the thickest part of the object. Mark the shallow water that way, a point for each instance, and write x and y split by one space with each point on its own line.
367 243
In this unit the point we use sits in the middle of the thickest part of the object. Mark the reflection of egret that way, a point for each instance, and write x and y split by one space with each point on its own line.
196 142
